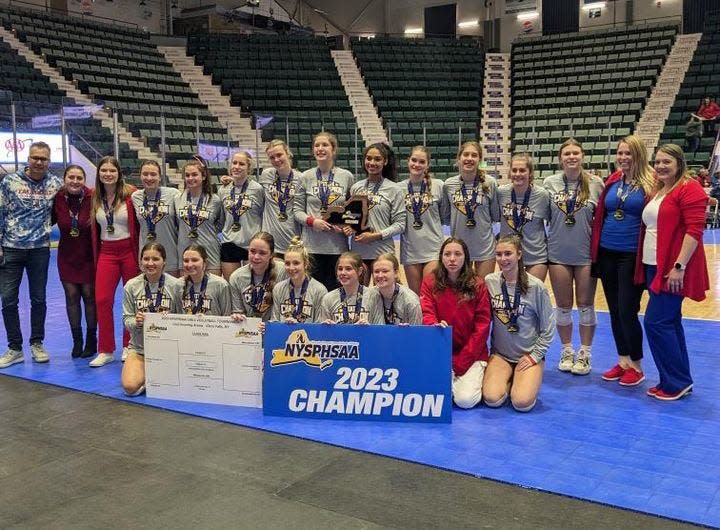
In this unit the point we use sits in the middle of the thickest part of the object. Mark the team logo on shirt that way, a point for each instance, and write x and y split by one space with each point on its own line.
285 188
425 201
189 302
501 312
287 308
560 199
336 191
362 314
202 214
143 303
373 199
163 209
245 203
266 301
317 354
459 201
525 215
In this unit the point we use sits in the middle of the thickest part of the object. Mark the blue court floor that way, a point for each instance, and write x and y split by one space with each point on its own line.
586 438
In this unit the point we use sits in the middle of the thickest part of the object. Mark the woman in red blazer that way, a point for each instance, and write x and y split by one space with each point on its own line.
672 263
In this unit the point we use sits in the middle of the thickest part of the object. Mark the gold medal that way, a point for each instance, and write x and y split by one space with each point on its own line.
470 223
193 234
151 236
110 229
619 215
570 220
74 232
282 216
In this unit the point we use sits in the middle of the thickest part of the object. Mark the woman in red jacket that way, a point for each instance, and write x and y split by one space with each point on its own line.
115 233
674 266
453 295
708 112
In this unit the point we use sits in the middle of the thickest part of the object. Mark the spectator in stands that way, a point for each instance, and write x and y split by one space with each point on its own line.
115 236
693 133
75 258
574 196
153 291
321 187
522 330
386 206
155 210
470 196
614 248
280 183
26 201
522 209
708 112
703 177
454 295
673 266
243 200
426 205
199 212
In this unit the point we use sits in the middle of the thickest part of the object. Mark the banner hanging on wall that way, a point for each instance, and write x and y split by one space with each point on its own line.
513 7
386 373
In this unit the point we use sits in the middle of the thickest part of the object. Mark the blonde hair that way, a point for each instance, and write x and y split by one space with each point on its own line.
584 191
297 246
248 158
426 152
279 143
641 172
389 256
331 138
529 162
480 172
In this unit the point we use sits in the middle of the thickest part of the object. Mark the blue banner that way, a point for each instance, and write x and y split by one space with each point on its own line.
385 373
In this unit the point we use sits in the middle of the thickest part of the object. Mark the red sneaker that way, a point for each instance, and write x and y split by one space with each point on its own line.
632 377
666 396
615 373
652 391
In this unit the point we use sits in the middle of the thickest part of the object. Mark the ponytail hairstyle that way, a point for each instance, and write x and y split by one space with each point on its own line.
154 246
522 278
467 279
641 172
331 138
150 163
200 163
473 144
584 190
248 158
529 162
390 168
298 247
281 143
426 151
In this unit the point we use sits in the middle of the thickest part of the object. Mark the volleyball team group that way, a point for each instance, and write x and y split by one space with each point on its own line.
264 248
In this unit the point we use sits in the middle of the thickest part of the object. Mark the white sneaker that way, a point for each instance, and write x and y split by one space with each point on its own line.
11 357
39 353
125 353
102 359
567 360
582 363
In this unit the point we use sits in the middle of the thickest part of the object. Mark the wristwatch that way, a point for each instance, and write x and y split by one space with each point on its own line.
679 266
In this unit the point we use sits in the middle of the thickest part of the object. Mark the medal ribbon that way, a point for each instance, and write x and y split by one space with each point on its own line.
358 305
154 305
109 215
519 218
193 216
388 311
237 204
570 203
511 309
196 305
324 187
471 204
298 304
622 194
417 200
283 195
74 214
258 290
376 187
150 217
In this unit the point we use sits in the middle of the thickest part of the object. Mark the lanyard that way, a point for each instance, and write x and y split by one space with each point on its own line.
298 304
196 304
152 214
519 217
74 214
570 203
416 201
109 216
258 290
358 305
376 187
623 194
237 204
283 195
324 189
193 216
470 204
390 310
154 305
511 309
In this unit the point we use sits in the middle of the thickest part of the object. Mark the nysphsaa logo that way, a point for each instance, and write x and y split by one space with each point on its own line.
155 328
318 354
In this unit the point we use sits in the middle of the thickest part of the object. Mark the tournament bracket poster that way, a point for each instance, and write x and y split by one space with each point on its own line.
357 372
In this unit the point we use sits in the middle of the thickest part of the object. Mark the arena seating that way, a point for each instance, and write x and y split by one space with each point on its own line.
292 79
575 84
121 67
435 82
701 79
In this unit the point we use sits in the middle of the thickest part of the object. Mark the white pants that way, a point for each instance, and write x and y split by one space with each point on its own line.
467 388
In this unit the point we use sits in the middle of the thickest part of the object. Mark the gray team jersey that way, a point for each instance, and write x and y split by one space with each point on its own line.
536 320
312 301
248 206
479 238
282 231
209 223
241 291
162 214
136 301
215 299
307 202
534 243
386 214
404 309
570 244
371 307
421 245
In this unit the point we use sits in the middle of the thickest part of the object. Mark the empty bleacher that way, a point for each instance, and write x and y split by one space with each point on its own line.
591 85
430 84
702 79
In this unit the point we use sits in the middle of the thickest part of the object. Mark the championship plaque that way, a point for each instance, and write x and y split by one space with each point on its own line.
353 214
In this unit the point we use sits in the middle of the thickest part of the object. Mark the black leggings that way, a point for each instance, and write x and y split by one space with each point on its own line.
74 292
616 271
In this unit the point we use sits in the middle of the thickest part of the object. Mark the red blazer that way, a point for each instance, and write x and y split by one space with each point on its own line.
470 321
681 212
133 227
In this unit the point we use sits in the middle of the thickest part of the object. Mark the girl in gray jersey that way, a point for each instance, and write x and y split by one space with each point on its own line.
251 286
386 206
200 213
320 188
243 200
522 209
155 211
470 196
280 183
523 325
202 293
425 208
574 195
154 291
400 304
352 302
298 298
